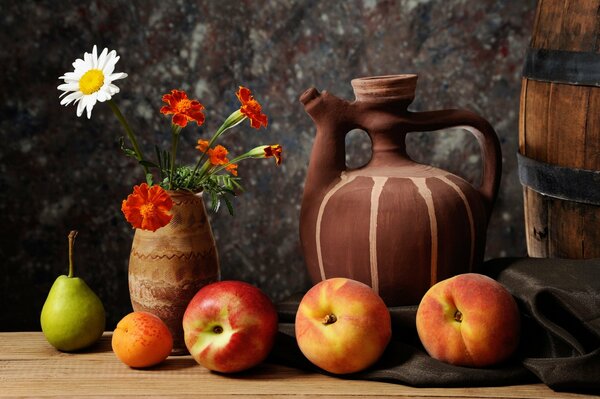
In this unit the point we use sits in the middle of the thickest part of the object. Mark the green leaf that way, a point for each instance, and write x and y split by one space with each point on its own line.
128 151
229 205
215 202
158 158
148 164
237 185
149 178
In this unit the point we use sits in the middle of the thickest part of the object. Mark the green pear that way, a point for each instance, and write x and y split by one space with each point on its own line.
73 316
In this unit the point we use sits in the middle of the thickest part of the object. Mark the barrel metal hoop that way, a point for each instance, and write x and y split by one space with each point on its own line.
560 66
570 184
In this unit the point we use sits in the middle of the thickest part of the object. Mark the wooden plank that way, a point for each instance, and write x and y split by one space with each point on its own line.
590 216
522 113
567 112
536 120
579 28
592 131
597 47
548 22
565 229
536 223
537 20
30 367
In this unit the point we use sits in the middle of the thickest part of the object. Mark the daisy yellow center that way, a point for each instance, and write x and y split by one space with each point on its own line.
147 210
91 81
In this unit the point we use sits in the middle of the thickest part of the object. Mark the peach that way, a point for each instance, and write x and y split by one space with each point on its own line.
469 320
342 325
141 339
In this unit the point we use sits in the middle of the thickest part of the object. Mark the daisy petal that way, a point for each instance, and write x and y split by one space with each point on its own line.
69 86
110 65
95 57
71 76
110 59
88 101
102 58
117 76
112 89
79 64
73 96
87 58
90 106
80 107
103 95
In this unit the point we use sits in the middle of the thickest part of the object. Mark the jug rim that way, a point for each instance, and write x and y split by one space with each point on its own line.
385 88
400 76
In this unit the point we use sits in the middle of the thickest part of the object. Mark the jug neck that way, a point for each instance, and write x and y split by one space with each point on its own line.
385 95
389 148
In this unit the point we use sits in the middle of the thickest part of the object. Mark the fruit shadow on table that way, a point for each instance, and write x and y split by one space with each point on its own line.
559 302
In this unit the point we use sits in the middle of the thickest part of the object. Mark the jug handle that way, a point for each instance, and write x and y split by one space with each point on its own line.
483 132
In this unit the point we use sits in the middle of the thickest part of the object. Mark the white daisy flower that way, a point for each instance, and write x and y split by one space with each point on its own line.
91 81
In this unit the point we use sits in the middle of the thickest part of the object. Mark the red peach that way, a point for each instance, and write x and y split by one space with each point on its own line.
469 320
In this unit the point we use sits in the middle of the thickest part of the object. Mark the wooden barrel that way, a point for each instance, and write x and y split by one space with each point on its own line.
559 131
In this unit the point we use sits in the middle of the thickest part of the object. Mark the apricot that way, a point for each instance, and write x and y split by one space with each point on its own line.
141 339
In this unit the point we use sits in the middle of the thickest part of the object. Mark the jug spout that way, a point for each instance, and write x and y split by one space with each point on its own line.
309 95
333 119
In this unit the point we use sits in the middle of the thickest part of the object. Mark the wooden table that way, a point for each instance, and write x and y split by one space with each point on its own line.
29 366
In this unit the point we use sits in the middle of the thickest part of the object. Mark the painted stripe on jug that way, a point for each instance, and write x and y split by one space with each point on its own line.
469 215
420 182
344 179
379 182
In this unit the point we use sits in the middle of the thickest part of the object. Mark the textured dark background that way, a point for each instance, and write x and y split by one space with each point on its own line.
59 172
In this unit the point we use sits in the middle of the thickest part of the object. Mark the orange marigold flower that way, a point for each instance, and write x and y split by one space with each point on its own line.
218 155
148 207
232 169
274 151
202 145
251 108
183 109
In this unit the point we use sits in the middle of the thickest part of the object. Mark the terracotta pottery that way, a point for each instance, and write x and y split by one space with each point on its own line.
167 267
394 224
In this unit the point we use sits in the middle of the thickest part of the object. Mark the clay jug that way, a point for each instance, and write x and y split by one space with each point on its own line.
394 224
167 267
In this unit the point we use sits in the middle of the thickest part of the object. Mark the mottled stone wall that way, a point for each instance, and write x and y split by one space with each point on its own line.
59 172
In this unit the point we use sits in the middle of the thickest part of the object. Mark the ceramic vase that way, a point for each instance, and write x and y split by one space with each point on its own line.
167 267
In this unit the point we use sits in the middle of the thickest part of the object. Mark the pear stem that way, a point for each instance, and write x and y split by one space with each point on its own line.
72 236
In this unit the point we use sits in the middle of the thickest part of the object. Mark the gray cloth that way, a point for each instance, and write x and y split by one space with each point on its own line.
559 302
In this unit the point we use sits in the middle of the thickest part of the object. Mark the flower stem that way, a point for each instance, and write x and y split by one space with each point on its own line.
175 130
232 120
234 160
129 132
205 168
